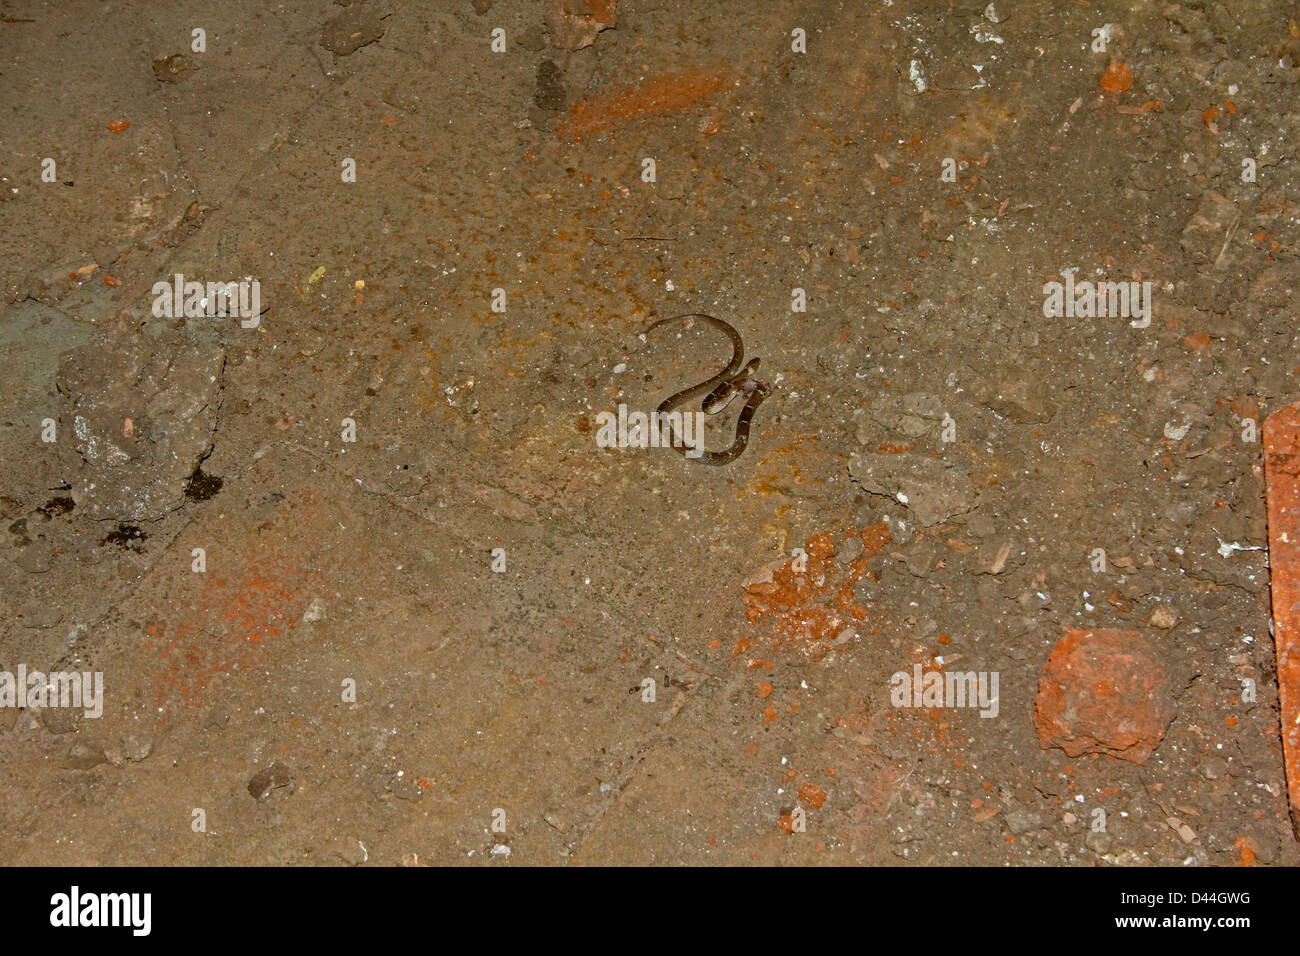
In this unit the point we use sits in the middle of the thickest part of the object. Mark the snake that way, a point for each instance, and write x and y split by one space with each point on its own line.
722 388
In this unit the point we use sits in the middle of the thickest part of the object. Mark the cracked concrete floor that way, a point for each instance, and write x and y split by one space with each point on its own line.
436 643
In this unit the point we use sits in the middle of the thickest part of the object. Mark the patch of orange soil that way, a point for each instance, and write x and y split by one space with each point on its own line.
809 604
665 93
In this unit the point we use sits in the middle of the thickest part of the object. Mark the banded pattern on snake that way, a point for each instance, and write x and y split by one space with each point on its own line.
721 390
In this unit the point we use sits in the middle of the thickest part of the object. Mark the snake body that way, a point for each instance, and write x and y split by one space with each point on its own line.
721 390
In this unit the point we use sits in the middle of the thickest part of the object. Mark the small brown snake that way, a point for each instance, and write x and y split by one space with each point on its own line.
721 389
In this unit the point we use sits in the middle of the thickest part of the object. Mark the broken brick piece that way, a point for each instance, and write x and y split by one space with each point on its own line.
657 95
1118 78
812 795
1282 478
1103 691
575 23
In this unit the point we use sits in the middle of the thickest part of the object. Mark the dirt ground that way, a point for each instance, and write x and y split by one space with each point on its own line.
364 589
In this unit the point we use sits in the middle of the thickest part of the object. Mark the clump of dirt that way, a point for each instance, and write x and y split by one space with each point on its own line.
171 69
58 505
202 486
125 536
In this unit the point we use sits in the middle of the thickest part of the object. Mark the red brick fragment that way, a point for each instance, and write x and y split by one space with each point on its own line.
1282 478
1118 78
812 795
1105 692
657 95
575 23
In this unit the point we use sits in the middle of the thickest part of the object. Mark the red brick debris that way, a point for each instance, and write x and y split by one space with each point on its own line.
812 608
1282 478
1104 692
658 95
1118 78
575 23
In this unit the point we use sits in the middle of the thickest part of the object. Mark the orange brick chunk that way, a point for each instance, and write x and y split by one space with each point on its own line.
1104 692
1282 476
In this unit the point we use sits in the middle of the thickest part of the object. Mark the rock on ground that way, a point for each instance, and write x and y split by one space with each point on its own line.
930 489
1104 691
137 415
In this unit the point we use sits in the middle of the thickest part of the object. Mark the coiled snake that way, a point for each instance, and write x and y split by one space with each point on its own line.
722 389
